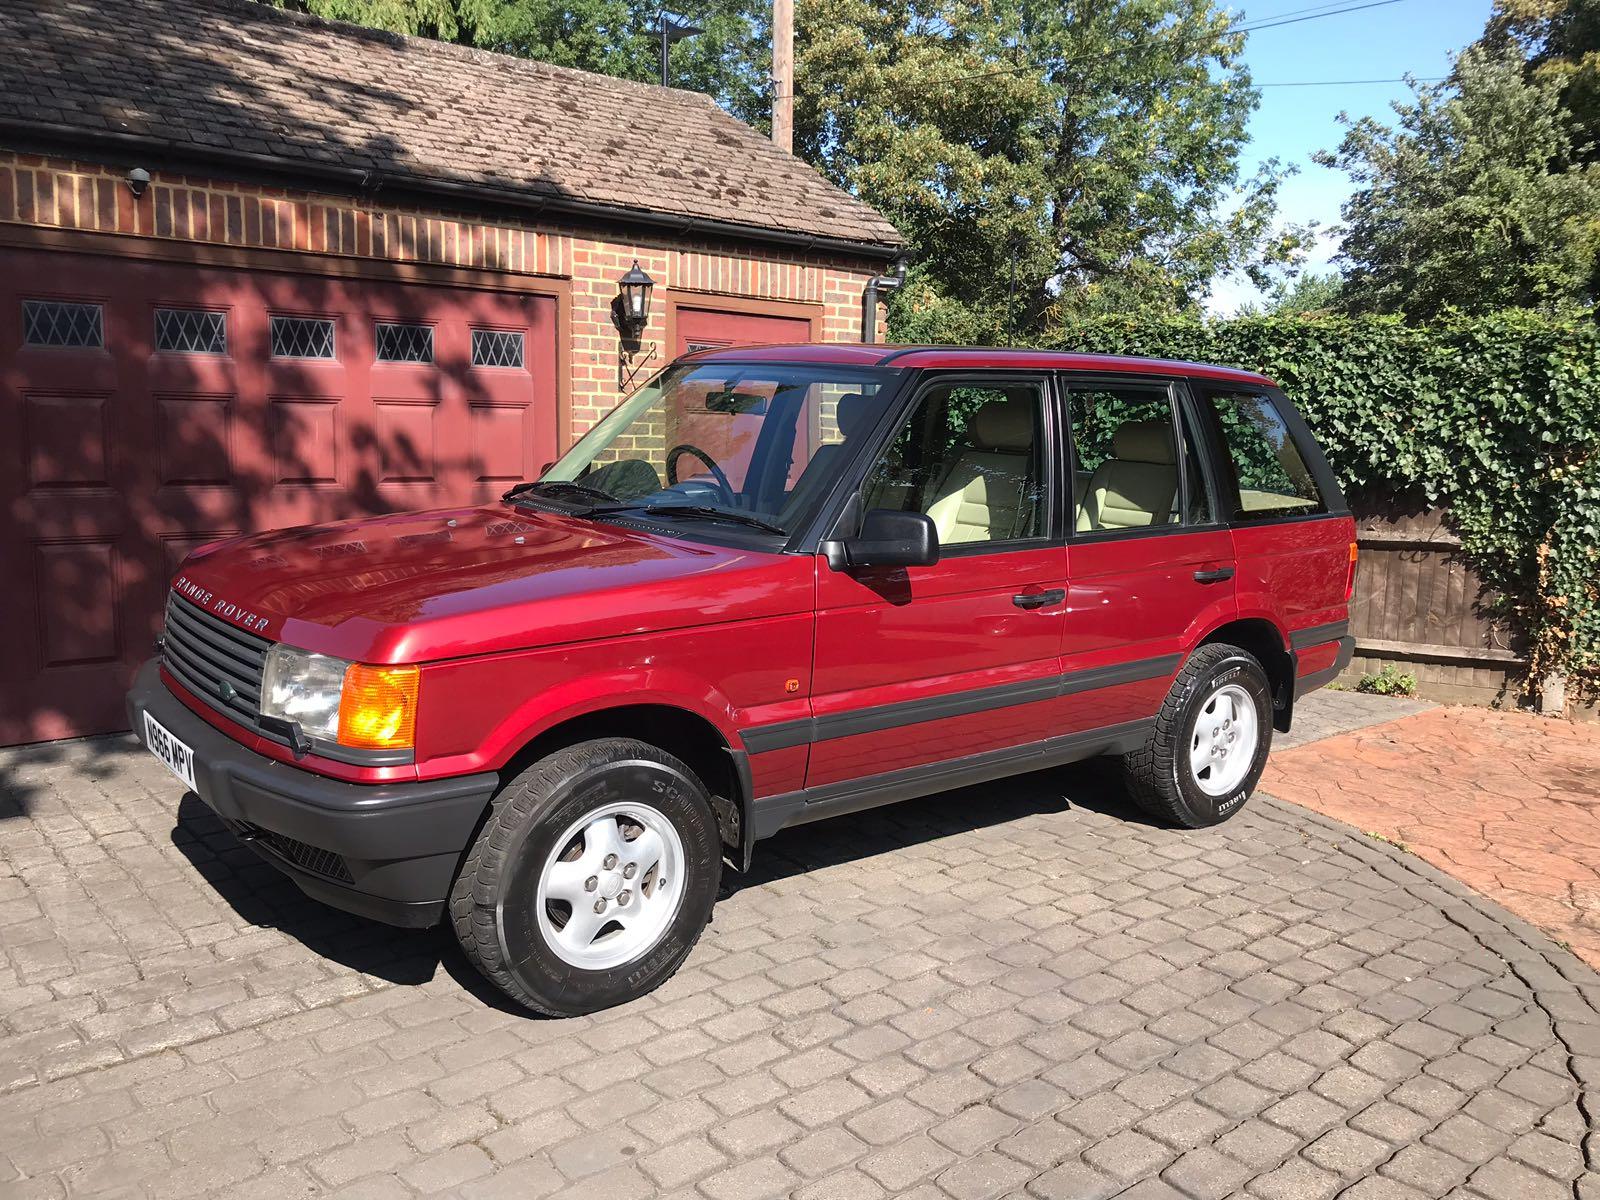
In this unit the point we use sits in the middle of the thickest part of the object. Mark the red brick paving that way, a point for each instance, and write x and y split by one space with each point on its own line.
1507 803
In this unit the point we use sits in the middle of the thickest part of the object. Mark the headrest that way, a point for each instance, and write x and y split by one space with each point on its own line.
1144 441
1003 425
852 414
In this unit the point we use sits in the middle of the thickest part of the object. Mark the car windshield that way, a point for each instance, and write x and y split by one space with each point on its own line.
755 444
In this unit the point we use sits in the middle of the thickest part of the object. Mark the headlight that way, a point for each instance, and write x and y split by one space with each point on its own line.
352 704
304 688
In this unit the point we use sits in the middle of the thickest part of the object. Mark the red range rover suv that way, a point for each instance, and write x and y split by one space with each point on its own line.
774 585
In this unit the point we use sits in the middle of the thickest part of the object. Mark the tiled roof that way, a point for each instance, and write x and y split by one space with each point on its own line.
235 77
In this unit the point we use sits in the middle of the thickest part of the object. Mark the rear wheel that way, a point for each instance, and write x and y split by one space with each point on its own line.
591 880
1210 741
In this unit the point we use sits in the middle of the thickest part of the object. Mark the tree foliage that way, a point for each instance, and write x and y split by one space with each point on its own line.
1561 41
1308 292
1495 417
1468 202
1043 159
730 61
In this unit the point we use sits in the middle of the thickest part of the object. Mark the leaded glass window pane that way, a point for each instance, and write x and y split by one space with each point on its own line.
190 331
496 348
62 323
405 343
302 337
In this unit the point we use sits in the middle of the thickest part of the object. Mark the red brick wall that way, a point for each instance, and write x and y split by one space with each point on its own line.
80 196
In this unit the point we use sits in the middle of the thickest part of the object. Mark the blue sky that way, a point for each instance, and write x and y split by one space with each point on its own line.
1410 36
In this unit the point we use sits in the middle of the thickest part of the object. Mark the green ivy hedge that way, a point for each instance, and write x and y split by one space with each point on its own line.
1497 417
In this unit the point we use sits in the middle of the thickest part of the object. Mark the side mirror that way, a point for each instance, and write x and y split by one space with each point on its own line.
887 539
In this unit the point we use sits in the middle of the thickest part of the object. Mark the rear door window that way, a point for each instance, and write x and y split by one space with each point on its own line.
1127 452
1269 476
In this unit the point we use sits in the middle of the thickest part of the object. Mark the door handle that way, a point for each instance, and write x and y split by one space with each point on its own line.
1039 599
1213 575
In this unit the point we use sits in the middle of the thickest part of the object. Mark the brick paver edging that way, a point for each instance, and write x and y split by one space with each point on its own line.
1563 985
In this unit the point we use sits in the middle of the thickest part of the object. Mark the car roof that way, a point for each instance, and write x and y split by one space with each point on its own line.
876 354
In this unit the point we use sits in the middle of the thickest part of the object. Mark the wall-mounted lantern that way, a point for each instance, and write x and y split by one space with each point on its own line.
633 299
630 309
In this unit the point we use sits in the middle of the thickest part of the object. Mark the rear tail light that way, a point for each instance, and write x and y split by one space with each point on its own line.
1350 579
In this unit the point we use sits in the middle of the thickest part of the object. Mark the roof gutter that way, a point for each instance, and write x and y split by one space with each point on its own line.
47 138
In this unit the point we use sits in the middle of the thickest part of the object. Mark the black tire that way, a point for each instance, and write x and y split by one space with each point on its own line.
1158 774
492 903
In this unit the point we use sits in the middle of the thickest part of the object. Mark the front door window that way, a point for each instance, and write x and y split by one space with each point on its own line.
971 457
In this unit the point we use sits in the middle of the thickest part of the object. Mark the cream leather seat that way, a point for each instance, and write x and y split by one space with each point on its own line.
1137 485
984 496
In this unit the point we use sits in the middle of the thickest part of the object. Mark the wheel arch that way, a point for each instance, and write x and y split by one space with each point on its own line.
681 732
1263 639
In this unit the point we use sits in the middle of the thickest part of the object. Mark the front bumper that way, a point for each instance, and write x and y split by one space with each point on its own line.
385 851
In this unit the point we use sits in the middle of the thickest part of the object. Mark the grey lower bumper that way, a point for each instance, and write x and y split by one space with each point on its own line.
1311 682
387 851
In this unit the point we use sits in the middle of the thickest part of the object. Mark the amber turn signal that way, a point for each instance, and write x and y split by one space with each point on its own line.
378 708
1350 579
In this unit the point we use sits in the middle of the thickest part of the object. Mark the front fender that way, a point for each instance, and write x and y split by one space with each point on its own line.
476 714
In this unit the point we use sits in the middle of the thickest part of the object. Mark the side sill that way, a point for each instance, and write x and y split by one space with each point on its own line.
772 813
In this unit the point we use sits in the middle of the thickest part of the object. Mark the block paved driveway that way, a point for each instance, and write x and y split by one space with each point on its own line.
1019 989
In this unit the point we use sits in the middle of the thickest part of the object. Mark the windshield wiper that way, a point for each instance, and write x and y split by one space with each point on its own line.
558 487
704 511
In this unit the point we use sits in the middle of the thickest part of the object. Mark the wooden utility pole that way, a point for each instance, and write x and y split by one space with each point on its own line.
783 74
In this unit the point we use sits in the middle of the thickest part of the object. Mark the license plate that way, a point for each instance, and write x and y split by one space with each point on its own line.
178 757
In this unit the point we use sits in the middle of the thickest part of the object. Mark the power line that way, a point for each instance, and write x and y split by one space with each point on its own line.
1245 27
1251 27
1350 82
1294 12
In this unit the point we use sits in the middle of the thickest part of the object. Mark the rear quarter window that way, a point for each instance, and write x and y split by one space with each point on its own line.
1267 476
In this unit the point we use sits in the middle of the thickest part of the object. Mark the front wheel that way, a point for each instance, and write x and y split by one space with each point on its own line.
1210 741
591 880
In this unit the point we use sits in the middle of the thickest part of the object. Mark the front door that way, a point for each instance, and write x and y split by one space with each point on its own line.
1149 567
933 663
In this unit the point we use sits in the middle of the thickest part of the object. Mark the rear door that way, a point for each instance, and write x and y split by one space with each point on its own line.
1293 540
1149 565
928 664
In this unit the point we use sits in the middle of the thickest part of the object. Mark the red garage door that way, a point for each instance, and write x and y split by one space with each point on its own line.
704 328
150 407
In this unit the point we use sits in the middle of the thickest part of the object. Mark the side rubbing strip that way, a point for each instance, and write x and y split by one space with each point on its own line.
1318 635
778 736
783 734
1132 672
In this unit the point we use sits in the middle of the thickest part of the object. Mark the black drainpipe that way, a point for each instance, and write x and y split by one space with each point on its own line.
869 298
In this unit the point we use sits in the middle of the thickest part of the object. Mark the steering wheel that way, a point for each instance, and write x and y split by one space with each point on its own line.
683 448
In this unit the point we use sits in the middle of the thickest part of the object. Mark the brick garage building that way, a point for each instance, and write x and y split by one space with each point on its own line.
259 270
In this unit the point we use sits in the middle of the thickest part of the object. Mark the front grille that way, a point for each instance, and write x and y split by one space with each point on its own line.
219 663
300 854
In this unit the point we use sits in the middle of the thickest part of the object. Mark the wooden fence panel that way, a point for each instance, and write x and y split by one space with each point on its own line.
1419 605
